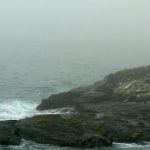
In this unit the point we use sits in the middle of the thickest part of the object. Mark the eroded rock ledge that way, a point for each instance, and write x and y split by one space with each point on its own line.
61 130
116 109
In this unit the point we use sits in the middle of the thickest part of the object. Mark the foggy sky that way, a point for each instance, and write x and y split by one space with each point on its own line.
101 31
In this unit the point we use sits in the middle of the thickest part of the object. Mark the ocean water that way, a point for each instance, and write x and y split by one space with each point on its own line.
27 145
24 84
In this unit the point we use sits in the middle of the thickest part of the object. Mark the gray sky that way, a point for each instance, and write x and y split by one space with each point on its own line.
104 31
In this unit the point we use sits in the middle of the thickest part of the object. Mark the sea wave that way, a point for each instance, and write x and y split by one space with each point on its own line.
19 109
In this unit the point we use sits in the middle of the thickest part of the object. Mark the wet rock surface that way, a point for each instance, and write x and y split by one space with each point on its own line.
62 130
116 109
8 133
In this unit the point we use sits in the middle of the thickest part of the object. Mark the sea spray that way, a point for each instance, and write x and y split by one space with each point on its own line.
19 109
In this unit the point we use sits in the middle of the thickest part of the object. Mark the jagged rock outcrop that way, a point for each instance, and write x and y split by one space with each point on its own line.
121 102
127 86
115 109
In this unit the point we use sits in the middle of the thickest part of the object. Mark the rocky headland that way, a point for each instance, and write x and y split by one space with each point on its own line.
115 109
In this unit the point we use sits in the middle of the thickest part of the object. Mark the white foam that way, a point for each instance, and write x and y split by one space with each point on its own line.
29 145
131 145
15 109
34 146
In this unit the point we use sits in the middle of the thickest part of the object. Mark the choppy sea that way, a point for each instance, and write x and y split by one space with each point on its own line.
24 85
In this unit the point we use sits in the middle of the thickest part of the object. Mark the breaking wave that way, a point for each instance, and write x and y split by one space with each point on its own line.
16 109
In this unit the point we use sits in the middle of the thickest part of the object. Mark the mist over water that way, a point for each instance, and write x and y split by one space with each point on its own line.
52 46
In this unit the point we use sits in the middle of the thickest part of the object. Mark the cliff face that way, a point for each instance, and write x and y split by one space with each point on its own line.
116 109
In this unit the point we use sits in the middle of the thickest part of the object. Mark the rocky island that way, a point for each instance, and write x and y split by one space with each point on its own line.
115 109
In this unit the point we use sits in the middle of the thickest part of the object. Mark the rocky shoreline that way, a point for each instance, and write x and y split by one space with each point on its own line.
115 109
